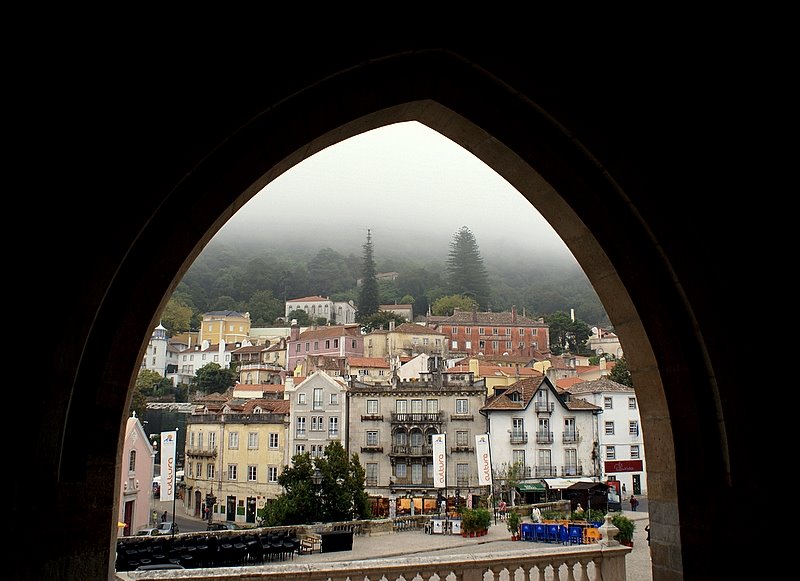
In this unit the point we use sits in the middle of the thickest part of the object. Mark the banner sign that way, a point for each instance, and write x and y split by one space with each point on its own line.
439 461
484 458
168 449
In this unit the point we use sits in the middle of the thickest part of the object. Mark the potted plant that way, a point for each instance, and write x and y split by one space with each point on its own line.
513 521
483 518
626 527
468 523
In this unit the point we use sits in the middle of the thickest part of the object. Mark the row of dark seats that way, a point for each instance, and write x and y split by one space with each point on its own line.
208 550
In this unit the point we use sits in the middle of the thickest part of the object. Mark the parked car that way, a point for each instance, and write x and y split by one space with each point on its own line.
148 532
222 526
166 528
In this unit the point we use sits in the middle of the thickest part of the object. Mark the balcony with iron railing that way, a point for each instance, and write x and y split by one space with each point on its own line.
235 418
418 418
405 450
546 471
518 437
201 452
569 437
544 407
572 470
543 437
373 449
371 418
463 448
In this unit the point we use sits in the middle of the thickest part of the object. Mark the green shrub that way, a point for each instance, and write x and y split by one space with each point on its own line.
626 527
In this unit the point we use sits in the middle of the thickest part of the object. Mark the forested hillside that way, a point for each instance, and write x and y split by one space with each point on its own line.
259 277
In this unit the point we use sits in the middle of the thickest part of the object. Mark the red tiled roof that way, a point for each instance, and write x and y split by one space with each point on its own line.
368 362
414 329
308 299
331 332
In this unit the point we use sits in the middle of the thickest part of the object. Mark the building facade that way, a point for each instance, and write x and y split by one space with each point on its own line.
136 491
318 413
392 428
621 443
491 334
235 455
541 430
224 327
339 312
333 341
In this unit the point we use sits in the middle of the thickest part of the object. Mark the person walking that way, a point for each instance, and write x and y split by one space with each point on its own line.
634 503
164 517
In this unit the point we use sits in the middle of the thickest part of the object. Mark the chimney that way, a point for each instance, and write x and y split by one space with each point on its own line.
295 332
513 313
391 325
474 313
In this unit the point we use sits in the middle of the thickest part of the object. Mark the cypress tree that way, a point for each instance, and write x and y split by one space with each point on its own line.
465 270
368 295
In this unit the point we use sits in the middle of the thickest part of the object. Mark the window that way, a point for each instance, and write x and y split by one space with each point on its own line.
634 452
611 453
467 344
509 345
633 428
495 345
273 441
401 406
462 406
301 398
199 469
328 344
608 403
333 426
233 441
299 449
231 471
252 441
494 331
272 473
353 344
571 462
416 472
481 345
372 438
416 406
454 345
316 345
210 471
631 403
518 457
462 474
212 440
191 471
336 343
132 461
522 332
400 469
372 474
609 428
462 438
432 406
334 399
521 345
317 398
480 331
468 331
297 348
191 440
301 427
307 346
372 407
252 472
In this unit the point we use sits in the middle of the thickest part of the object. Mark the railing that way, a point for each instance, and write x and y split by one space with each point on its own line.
546 472
572 470
544 437
413 450
462 449
592 563
372 449
371 418
418 418
519 437
569 437
202 452
544 406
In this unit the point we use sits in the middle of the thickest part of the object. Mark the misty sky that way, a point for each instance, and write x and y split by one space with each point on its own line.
405 179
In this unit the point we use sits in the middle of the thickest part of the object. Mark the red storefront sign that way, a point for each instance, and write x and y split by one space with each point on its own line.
613 466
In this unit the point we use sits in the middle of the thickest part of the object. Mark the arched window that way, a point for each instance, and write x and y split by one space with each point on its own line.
132 461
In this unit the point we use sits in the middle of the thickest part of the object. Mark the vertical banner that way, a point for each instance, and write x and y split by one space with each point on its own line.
439 461
484 457
168 449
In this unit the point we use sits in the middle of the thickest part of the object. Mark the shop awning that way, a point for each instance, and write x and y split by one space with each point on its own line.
561 483
531 487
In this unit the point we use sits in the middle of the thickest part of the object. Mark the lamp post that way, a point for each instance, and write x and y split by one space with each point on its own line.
316 479
211 500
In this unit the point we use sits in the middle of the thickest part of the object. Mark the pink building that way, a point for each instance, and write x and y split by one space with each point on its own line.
136 482
334 341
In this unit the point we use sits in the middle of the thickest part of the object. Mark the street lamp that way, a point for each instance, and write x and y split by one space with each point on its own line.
316 478
211 500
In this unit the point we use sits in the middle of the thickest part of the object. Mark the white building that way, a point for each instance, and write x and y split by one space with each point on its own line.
317 413
621 443
155 356
605 342
338 312
543 429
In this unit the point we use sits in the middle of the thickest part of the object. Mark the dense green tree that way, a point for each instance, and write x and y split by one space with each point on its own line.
264 308
213 378
368 296
567 335
445 306
177 316
300 316
329 272
340 495
620 373
380 320
152 384
466 273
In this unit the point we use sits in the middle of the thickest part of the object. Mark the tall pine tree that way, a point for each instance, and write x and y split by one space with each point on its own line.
465 270
368 295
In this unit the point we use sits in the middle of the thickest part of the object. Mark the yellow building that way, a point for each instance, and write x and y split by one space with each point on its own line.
235 452
227 326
